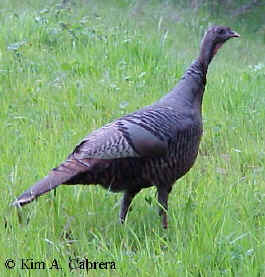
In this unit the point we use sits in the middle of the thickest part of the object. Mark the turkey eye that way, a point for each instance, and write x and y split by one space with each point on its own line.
221 31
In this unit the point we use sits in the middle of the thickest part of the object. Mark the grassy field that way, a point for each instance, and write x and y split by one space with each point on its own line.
66 70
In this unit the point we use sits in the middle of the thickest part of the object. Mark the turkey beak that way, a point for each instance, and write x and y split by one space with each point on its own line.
234 34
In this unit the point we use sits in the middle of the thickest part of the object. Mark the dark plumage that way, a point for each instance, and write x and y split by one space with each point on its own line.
155 145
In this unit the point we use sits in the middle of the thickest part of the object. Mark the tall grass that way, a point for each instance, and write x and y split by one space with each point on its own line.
66 70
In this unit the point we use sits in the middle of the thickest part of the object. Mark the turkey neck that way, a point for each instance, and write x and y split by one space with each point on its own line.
208 49
188 94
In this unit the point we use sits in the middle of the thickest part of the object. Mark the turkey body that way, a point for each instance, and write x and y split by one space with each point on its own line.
153 146
134 173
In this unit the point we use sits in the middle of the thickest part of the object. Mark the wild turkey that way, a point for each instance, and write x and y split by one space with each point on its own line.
155 145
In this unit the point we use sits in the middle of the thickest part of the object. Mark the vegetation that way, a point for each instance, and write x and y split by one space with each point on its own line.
70 67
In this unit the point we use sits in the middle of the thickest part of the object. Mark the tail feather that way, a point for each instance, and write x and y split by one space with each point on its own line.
48 183
60 175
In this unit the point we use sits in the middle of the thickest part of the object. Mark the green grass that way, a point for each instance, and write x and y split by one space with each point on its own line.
66 71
